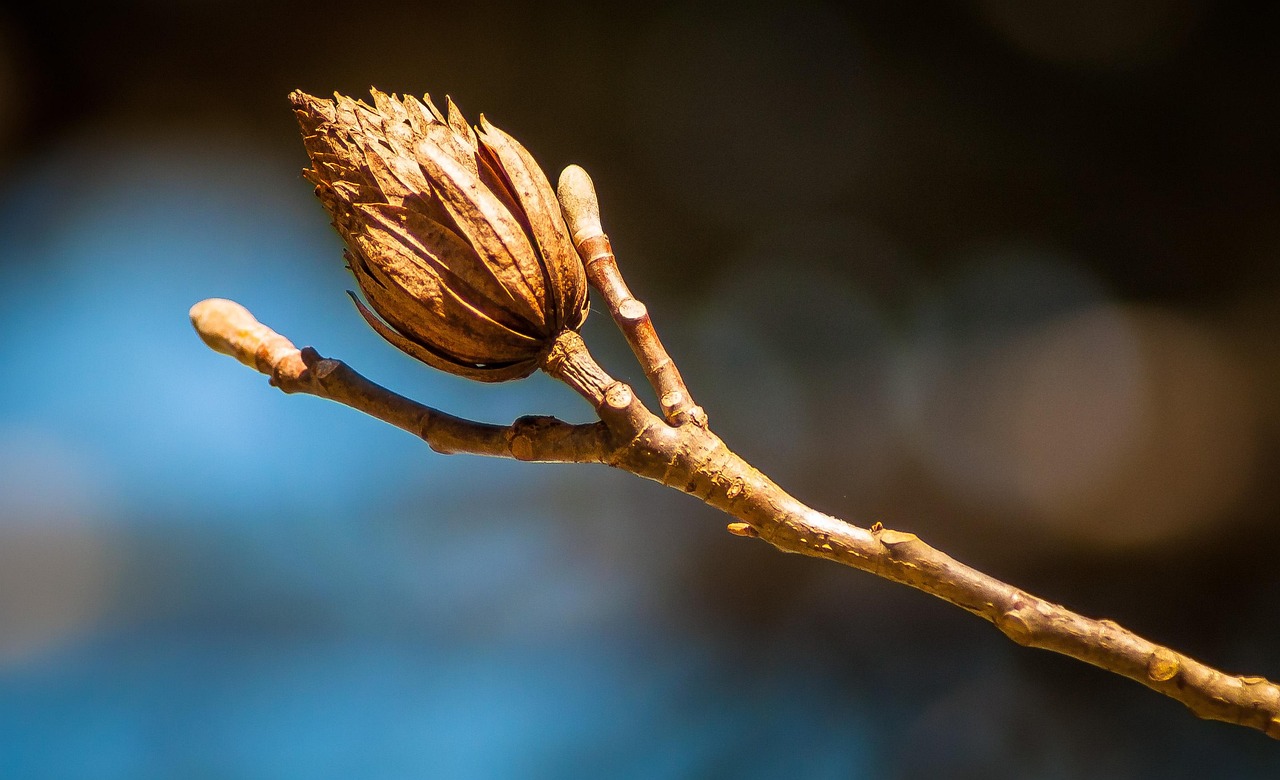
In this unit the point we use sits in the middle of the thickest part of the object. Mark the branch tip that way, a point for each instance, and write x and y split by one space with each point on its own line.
577 194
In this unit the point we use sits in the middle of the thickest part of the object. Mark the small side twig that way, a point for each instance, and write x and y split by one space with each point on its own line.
694 460
582 213
229 328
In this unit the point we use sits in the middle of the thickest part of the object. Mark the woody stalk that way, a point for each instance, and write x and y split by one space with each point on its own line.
471 263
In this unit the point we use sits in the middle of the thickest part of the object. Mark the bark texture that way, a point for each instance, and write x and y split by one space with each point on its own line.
694 460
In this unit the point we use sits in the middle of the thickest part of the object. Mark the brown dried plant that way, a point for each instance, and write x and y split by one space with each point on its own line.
474 266
453 233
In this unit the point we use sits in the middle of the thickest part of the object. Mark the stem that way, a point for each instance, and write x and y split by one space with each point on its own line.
229 328
571 362
694 460
698 462
582 211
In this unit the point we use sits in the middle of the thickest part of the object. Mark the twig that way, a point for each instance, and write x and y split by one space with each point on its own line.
229 328
582 212
694 460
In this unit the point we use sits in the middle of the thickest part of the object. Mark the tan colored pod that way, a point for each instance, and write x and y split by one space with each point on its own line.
454 234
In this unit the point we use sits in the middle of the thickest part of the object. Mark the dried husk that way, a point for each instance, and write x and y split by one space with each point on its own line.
453 233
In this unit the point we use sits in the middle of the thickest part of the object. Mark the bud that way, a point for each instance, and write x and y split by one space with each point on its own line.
453 233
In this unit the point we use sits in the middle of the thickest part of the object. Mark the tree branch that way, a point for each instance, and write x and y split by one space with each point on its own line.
229 328
694 460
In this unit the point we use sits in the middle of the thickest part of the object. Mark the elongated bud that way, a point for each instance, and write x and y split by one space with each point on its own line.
578 201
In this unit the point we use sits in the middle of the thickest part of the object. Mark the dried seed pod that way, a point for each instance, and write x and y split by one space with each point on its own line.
453 233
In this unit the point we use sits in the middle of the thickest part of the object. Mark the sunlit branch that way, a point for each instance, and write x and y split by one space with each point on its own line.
694 460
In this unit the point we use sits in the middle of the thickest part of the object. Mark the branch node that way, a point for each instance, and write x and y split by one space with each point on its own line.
523 433
618 397
1163 665
742 529
890 538
736 488
632 310
1015 625
622 411
522 447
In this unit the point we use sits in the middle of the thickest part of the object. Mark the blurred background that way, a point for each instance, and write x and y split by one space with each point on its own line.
1002 273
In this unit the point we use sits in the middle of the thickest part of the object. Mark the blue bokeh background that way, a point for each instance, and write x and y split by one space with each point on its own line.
1002 274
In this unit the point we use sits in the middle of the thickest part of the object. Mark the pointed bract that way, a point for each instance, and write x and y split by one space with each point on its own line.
549 234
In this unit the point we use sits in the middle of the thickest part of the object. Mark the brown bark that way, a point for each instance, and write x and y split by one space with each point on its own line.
693 459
